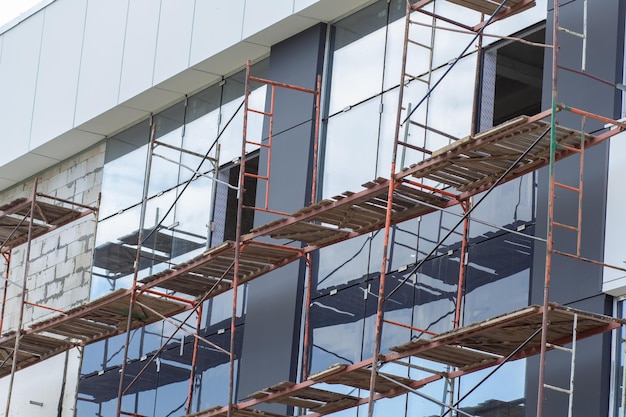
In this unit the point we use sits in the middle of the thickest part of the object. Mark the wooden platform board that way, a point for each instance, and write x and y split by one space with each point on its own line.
336 218
104 317
313 399
479 160
489 7
486 342
15 217
203 272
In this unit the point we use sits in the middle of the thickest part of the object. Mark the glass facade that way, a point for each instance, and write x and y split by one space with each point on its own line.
362 89
180 223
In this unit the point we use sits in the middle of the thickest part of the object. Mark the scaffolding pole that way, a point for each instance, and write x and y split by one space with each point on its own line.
20 321
136 266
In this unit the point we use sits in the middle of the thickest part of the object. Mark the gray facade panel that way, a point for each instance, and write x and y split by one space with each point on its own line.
274 304
577 283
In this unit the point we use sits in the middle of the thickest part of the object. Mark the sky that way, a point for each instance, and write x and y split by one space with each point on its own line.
10 9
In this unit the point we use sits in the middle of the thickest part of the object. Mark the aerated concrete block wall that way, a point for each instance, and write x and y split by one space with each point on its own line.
60 261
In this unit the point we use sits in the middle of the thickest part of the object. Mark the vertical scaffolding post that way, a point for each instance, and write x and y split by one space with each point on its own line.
465 205
392 185
131 307
5 289
569 391
194 361
20 321
238 246
549 242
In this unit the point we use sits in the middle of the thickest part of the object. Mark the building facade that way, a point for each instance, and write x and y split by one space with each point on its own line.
138 108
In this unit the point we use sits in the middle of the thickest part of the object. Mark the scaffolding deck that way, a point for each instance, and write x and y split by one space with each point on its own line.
477 161
86 324
214 268
489 7
15 217
487 342
473 162
494 338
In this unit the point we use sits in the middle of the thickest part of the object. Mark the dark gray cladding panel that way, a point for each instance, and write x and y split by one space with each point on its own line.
272 327
577 283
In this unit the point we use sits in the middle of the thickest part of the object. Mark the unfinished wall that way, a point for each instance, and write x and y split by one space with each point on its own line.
60 261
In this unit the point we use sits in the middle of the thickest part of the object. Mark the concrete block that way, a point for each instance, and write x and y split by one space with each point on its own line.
90 197
54 289
38 264
37 295
79 170
56 257
67 191
68 234
65 268
56 182
74 248
85 182
83 262
49 243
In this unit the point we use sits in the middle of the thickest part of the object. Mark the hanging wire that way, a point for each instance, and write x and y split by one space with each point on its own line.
188 182
469 45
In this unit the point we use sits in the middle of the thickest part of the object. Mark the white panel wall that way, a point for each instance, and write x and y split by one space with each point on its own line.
18 80
80 69
259 15
59 65
614 281
101 63
211 32
174 38
38 392
142 25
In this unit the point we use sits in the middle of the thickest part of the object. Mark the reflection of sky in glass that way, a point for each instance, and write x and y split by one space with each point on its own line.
355 153
188 222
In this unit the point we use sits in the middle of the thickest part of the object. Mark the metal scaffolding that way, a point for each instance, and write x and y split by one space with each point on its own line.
21 221
470 166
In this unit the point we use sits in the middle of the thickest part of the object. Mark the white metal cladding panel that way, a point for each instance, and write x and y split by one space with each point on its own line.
259 15
18 80
216 26
142 26
174 39
101 62
117 55
37 390
614 281
59 65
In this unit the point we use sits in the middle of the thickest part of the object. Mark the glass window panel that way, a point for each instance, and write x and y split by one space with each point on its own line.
93 359
343 263
451 103
122 181
358 57
164 169
520 21
387 132
404 247
351 136
502 393
434 227
167 121
449 44
435 295
518 197
337 328
498 266
212 377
